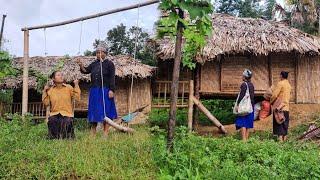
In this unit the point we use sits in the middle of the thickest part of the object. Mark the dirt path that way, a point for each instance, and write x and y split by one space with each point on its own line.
299 114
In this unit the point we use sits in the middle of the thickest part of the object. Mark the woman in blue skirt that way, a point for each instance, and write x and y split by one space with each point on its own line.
244 123
101 95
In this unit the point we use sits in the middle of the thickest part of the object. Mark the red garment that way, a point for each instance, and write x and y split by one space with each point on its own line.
265 109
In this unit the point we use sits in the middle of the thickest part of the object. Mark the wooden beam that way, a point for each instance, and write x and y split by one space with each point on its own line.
269 70
209 115
197 79
190 106
91 16
296 77
25 73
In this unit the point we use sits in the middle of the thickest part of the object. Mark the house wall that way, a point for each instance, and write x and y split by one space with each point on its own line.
224 77
141 95
284 62
308 81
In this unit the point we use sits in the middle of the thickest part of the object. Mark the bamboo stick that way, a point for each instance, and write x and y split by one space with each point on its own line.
182 102
92 16
117 126
190 106
209 115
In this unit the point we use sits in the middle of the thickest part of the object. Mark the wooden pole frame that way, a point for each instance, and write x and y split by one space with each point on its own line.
26 42
92 16
25 73
190 105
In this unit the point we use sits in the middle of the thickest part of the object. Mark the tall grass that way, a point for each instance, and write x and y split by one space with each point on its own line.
26 153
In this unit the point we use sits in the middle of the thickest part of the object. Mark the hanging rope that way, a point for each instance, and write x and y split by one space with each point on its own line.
46 53
134 58
80 39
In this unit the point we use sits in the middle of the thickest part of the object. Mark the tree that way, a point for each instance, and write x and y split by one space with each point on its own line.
268 13
240 8
195 29
122 42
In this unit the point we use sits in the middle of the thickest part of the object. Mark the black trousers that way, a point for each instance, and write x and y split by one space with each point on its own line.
60 127
281 129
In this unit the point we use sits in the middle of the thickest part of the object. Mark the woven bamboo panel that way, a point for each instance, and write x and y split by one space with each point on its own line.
283 62
121 96
210 77
231 72
165 68
259 68
308 82
141 94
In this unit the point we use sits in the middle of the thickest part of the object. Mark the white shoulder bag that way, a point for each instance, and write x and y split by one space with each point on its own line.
245 106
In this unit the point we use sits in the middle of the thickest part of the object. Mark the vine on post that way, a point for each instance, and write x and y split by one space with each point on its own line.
197 25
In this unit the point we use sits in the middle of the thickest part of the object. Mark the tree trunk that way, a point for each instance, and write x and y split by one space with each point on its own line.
175 84
196 95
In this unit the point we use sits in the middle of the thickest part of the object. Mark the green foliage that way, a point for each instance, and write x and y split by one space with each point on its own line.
6 96
221 109
243 8
196 157
6 68
122 41
197 27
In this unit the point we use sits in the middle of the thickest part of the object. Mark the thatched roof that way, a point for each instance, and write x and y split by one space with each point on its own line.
125 67
233 35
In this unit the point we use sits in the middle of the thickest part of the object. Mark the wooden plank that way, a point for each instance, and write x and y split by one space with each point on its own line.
209 115
270 71
296 77
165 93
183 93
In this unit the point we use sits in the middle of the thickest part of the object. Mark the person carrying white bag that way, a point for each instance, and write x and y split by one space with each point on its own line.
244 106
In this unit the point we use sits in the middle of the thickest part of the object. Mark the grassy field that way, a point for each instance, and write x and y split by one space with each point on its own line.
25 153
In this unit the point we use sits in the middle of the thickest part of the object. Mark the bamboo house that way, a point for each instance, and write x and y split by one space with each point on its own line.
126 69
265 47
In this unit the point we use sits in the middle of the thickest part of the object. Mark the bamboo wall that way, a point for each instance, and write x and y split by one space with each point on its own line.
141 95
225 76
231 68
284 62
308 82
165 68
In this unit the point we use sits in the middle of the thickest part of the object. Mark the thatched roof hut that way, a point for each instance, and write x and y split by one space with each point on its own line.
234 35
265 47
125 66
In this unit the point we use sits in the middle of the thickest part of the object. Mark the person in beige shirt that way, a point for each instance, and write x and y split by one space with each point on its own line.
282 90
60 99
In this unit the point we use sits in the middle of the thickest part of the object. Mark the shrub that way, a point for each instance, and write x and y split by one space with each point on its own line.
221 109
197 157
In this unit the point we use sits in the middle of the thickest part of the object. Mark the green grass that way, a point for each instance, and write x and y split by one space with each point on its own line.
25 153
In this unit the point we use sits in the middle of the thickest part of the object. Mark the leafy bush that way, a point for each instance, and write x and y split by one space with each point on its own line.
197 157
221 109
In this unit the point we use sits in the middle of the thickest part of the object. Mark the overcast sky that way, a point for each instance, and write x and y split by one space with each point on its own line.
65 39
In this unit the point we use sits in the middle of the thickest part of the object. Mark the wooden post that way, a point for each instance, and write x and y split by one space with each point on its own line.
25 73
2 27
175 83
190 106
196 94
209 115
269 70
296 71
